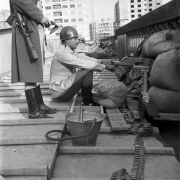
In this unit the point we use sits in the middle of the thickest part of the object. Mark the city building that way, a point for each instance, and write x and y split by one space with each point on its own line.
126 11
102 29
4 14
68 13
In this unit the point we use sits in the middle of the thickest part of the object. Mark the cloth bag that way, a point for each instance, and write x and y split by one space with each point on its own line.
161 42
110 94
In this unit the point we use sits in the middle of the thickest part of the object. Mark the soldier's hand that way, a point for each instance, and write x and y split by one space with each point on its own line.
109 67
45 21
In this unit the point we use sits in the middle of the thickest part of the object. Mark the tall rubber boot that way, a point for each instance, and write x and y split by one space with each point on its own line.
44 108
87 96
33 105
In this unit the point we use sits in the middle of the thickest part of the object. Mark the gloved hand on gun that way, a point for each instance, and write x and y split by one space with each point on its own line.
109 67
47 23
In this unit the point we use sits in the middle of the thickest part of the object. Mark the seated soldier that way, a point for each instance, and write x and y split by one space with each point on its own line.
69 73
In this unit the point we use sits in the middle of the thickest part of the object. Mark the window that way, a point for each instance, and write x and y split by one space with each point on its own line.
139 5
49 14
132 1
73 20
132 11
79 5
150 9
80 12
139 10
80 19
55 0
65 13
60 27
64 6
72 5
150 4
139 0
57 13
57 6
66 20
73 12
132 16
139 15
48 7
132 6
58 20
158 3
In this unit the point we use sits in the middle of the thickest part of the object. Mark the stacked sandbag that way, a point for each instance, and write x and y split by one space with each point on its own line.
160 42
165 82
165 101
165 72
110 94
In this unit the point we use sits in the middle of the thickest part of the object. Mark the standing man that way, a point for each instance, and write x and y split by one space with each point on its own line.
23 70
69 73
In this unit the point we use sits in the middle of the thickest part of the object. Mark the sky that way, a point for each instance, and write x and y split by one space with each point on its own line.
102 8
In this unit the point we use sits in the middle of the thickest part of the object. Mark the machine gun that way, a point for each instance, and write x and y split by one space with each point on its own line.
31 50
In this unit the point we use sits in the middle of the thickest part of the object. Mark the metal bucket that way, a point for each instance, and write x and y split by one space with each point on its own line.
77 128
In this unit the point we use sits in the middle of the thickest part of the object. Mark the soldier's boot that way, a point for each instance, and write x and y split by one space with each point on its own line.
33 105
44 107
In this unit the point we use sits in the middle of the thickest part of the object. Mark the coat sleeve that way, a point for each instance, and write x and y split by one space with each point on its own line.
83 56
28 8
73 61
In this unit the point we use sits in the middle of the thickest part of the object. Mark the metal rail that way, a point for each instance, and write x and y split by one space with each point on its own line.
133 33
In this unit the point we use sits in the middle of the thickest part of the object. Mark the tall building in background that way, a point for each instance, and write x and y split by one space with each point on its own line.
104 28
126 11
68 13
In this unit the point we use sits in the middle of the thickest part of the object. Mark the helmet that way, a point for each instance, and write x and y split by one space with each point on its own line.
68 32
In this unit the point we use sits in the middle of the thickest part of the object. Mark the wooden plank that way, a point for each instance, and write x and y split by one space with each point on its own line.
116 120
22 99
17 94
26 178
27 160
113 150
22 118
27 134
23 107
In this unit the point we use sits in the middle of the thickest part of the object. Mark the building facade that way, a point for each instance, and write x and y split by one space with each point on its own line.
126 11
102 29
68 13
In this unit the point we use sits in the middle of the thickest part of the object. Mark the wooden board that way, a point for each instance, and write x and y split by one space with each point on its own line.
22 107
117 144
27 134
116 120
26 178
27 160
22 118
99 166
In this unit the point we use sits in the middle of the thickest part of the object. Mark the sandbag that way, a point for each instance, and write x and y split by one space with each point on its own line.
110 94
164 100
165 71
160 42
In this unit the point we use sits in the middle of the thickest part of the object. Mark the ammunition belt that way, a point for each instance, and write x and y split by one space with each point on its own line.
137 172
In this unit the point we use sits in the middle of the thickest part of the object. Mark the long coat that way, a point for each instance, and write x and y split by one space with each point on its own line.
22 70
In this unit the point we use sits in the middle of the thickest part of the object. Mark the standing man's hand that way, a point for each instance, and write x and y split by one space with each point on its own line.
109 67
46 22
